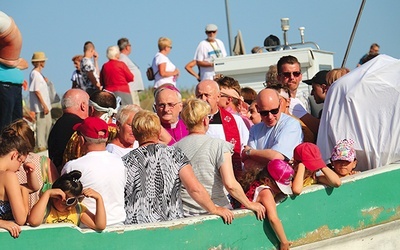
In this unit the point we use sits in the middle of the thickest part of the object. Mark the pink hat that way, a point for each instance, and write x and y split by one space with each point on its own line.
93 127
282 173
344 150
309 154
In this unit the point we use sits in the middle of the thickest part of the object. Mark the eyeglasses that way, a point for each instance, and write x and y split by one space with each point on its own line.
73 200
209 32
289 74
164 105
170 47
272 111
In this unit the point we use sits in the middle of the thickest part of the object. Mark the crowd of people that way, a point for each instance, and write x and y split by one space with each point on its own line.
110 163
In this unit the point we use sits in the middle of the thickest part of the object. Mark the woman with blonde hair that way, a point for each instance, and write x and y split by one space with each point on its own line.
335 74
155 173
164 70
211 161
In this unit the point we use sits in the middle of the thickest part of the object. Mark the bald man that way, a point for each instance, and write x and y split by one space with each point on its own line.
75 105
223 125
276 136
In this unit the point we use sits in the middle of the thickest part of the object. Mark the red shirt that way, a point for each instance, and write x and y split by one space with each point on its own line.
115 76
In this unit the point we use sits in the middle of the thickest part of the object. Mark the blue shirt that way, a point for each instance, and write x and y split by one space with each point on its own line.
283 137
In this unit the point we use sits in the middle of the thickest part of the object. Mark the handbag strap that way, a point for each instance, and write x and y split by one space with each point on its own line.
45 168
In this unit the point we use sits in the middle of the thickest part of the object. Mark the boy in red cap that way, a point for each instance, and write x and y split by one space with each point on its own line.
307 162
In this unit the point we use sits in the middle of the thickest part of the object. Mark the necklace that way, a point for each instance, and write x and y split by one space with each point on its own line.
59 219
145 143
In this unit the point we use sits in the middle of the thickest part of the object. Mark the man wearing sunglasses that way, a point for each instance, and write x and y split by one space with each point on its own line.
289 74
276 136
207 51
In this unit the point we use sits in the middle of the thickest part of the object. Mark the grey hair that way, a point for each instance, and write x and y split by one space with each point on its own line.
113 52
125 111
94 140
122 43
158 91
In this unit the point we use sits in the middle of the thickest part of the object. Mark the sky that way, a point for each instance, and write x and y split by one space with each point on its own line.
60 28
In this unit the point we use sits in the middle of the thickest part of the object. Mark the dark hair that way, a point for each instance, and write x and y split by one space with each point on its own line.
70 183
278 87
229 83
104 99
249 95
122 43
271 40
10 140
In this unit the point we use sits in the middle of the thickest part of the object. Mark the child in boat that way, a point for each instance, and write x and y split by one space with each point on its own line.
13 197
308 164
343 158
61 204
272 182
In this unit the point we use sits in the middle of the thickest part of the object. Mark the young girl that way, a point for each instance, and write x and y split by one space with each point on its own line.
62 204
343 158
13 197
307 162
271 183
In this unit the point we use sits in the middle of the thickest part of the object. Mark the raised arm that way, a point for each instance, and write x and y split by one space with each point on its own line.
200 195
95 221
234 188
330 178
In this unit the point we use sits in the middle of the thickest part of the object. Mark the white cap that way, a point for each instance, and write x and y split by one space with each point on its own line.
211 27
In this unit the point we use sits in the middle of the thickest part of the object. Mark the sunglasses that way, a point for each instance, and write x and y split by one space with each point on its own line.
272 111
73 200
209 32
289 74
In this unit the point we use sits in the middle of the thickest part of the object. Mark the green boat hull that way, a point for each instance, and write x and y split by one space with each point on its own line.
364 200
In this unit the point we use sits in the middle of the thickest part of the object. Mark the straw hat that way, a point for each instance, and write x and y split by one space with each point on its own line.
39 57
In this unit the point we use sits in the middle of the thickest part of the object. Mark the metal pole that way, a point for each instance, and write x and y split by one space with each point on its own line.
353 33
229 27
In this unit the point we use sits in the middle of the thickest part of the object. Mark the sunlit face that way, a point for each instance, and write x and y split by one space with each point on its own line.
266 109
285 103
168 106
211 35
18 160
60 205
125 133
343 168
318 92
289 76
209 93
254 115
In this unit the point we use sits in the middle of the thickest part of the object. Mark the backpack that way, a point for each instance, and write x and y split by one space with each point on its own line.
150 73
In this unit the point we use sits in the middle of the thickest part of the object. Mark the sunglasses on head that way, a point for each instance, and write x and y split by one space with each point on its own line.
289 74
73 200
272 111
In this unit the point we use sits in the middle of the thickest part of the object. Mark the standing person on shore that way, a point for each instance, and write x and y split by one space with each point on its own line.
207 51
39 98
165 71
125 47
76 78
115 76
90 68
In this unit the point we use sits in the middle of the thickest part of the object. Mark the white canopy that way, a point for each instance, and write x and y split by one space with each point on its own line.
364 105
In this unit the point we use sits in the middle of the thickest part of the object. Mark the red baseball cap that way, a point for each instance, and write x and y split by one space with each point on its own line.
309 154
93 127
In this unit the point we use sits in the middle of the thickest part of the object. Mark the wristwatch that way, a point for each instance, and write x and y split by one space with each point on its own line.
248 152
